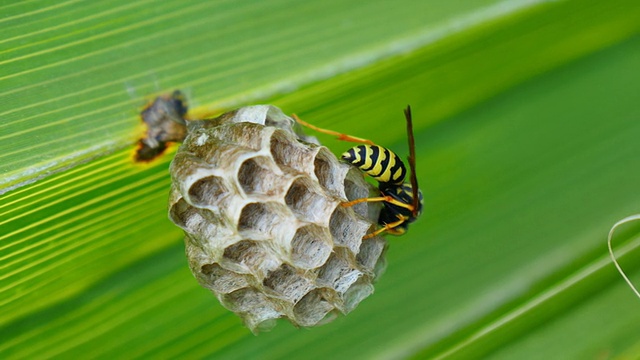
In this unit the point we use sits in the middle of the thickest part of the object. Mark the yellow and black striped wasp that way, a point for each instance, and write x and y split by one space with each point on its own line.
402 200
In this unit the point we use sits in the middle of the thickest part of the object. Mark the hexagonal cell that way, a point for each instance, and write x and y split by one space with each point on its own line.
199 222
197 150
181 212
222 280
371 253
284 281
255 308
338 273
356 293
262 217
330 172
307 203
208 191
313 308
276 118
289 154
202 151
253 256
184 168
346 229
311 246
245 134
356 188
188 217
256 177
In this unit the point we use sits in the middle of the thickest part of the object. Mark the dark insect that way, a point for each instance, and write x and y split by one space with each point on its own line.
164 119
402 200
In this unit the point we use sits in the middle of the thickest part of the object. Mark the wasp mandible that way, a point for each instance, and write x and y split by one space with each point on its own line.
402 200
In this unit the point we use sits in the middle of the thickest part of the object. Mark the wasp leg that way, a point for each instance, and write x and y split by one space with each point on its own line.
388 199
387 227
340 136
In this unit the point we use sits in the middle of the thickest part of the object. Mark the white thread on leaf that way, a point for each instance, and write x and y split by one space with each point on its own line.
613 257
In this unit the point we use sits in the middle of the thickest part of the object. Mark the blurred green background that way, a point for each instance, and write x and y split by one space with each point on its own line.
526 117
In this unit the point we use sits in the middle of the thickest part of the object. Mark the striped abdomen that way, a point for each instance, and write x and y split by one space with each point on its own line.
380 163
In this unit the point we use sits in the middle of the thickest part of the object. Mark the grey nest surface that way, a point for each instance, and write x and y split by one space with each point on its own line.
259 203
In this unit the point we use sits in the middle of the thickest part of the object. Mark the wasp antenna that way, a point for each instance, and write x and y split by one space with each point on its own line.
339 136
412 159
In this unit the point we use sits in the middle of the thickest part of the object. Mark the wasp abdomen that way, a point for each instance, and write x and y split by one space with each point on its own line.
380 163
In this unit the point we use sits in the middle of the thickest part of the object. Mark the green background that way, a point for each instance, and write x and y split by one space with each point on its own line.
527 130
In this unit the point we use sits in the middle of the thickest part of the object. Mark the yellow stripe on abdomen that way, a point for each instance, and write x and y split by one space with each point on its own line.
380 163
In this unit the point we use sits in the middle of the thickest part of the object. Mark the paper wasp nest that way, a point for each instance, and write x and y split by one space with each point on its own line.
264 229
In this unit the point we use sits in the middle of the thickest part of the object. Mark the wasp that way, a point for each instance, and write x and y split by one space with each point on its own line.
402 200
165 122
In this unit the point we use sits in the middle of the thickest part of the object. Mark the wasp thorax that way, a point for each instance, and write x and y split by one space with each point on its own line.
264 229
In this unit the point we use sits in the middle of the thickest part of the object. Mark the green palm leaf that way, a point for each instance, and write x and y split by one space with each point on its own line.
526 128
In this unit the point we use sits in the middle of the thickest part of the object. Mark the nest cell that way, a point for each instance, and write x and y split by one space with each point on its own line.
251 255
181 212
307 203
253 306
356 188
290 155
245 134
188 217
208 191
202 150
313 308
357 292
371 254
287 283
329 172
221 280
346 229
311 247
262 217
338 273
256 177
